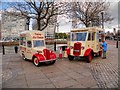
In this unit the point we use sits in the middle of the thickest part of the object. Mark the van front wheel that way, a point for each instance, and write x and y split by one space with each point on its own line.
36 62
89 58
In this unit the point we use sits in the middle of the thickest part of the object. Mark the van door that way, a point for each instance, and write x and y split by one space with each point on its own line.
89 41
93 43
22 45
98 41
29 49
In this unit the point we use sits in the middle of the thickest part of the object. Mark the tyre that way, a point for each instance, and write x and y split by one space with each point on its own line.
23 57
36 62
89 58
70 57
100 53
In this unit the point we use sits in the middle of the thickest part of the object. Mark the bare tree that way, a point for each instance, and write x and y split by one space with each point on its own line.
88 12
41 10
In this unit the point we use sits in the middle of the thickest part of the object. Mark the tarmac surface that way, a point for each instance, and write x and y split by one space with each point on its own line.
100 73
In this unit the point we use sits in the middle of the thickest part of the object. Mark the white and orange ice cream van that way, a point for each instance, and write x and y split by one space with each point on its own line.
32 47
85 43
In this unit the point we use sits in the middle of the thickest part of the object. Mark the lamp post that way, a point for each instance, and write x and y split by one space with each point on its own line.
118 34
56 25
28 22
103 25
102 20
3 49
95 21
117 42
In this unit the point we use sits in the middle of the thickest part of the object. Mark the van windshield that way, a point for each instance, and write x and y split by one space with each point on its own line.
38 43
79 36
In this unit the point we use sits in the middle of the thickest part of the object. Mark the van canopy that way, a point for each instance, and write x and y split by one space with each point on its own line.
31 32
94 29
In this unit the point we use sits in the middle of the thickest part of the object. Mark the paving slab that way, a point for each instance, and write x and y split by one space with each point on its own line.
42 86
65 84
100 73
60 78
38 82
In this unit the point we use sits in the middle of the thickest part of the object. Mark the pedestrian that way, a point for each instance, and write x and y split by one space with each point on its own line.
104 46
16 49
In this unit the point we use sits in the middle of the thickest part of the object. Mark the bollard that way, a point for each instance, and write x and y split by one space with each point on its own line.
16 49
3 49
55 46
117 44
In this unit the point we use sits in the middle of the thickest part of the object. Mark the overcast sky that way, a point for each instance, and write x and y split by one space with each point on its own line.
113 10
65 27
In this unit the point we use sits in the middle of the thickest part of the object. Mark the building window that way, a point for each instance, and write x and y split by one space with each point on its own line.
23 41
89 36
93 36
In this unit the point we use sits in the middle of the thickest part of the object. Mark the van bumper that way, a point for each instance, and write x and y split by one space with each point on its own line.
78 57
47 60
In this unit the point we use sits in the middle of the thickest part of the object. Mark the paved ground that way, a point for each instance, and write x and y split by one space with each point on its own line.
100 73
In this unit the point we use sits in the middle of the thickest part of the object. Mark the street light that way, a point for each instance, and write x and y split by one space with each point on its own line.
102 20
103 24
28 22
95 21
56 26
118 34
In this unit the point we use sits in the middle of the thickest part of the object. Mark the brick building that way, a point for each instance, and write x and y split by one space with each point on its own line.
12 25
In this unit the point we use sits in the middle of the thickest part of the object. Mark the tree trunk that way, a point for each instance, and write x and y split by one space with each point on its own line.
38 24
86 24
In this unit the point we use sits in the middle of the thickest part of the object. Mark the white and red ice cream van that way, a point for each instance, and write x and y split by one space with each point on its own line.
33 47
85 43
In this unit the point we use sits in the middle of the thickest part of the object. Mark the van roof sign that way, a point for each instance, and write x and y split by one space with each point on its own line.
87 29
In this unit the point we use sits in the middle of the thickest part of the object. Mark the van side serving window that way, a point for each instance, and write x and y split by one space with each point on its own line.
23 41
89 36
29 44
38 43
97 36
93 35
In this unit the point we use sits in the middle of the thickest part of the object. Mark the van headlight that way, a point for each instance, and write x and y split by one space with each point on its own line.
71 47
82 47
39 51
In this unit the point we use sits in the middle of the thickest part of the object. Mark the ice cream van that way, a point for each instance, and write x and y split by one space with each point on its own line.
32 47
85 43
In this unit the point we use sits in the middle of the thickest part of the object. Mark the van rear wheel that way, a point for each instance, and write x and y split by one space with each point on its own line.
23 57
36 62
100 53
70 57
52 62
